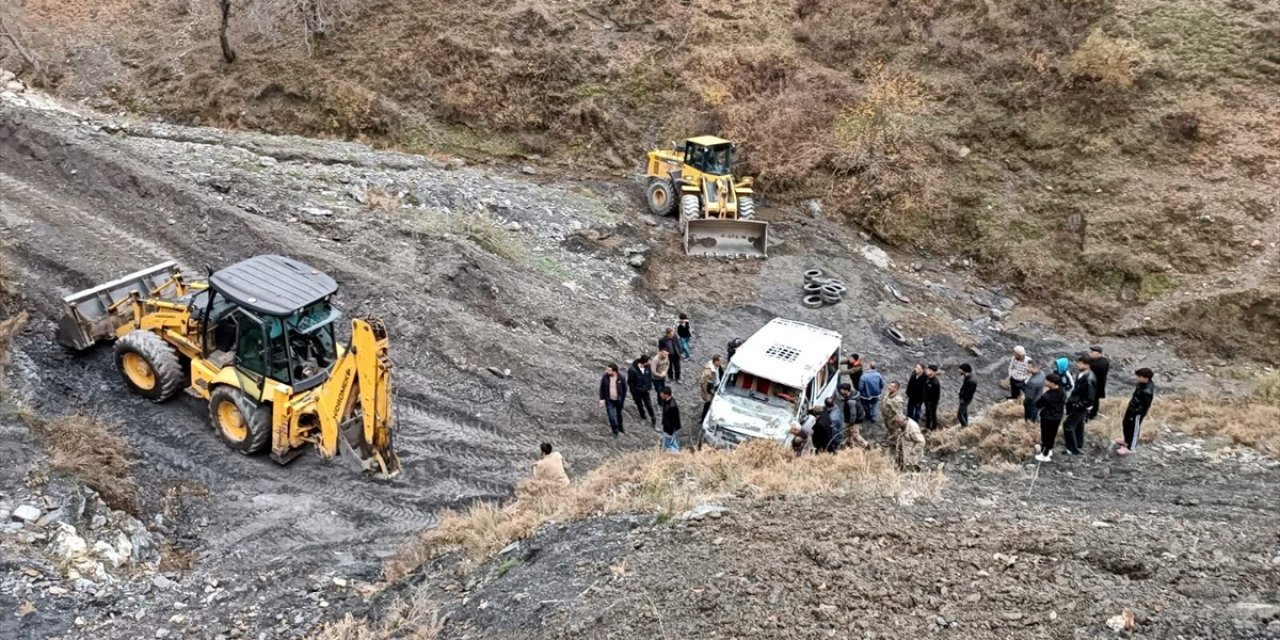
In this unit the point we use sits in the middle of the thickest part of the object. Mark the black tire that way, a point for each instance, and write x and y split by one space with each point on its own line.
811 275
835 286
256 419
661 196
830 298
142 355
896 336
746 208
690 208
812 302
813 289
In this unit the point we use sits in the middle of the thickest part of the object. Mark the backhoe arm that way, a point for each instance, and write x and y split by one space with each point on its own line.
354 405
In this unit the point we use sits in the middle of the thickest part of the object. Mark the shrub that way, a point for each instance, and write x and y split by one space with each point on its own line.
1110 63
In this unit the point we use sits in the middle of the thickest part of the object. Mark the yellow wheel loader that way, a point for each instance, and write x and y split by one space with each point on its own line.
257 340
716 210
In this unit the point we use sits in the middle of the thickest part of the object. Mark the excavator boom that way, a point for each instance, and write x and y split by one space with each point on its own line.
354 405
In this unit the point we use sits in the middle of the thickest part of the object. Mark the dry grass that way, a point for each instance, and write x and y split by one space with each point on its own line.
86 447
1000 436
9 328
1111 63
666 485
411 619
1253 421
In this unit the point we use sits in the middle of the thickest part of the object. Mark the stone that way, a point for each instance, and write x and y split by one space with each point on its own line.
702 511
814 207
637 260
26 513
876 256
341 583
529 170
316 211
58 591
161 582
162 633
267 161
964 152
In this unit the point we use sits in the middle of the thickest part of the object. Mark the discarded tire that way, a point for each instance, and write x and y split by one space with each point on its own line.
811 275
813 302
896 336
836 285
830 298
813 288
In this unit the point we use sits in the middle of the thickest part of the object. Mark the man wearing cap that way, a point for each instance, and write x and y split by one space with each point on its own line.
932 395
1081 399
1136 413
1017 372
967 390
1100 366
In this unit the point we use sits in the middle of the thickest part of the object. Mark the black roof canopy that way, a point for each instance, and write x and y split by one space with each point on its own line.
272 285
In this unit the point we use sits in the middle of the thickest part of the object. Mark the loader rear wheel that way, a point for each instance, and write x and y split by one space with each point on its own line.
662 197
690 208
242 423
746 208
149 365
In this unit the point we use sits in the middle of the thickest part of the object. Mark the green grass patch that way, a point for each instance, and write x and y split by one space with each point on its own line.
505 566
1205 43
1156 285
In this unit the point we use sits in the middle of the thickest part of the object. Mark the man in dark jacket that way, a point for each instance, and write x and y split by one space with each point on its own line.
1137 410
732 348
613 397
932 396
670 421
1050 407
823 433
1100 366
1083 395
967 390
669 342
640 383
915 392
1032 392
836 418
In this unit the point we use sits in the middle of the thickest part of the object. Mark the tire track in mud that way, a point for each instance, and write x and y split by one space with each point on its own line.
451 458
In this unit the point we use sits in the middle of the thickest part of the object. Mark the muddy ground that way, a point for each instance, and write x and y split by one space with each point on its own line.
477 270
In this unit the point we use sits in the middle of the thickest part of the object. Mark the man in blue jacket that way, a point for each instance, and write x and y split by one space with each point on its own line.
870 388
613 395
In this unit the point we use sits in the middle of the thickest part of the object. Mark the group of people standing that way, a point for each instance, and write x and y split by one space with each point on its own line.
1069 399
648 375
1061 398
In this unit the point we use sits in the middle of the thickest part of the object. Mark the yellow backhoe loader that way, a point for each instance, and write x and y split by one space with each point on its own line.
716 210
257 340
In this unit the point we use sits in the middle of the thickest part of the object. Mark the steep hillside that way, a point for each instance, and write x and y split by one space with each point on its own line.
1116 159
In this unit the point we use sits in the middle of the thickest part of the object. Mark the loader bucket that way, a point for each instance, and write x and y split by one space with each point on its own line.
713 237
96 313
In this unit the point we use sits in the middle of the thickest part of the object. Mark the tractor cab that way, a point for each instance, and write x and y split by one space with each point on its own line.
272 318
710 155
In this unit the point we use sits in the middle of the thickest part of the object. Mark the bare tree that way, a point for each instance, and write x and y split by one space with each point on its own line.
11 32
228 54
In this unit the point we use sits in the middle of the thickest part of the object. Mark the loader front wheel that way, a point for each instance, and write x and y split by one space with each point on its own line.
690 208
661 196
746 208
242 423
149 365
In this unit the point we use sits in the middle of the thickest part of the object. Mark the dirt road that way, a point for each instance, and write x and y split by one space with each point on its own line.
475 271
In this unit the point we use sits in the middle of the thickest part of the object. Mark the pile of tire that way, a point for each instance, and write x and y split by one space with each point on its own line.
820 291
